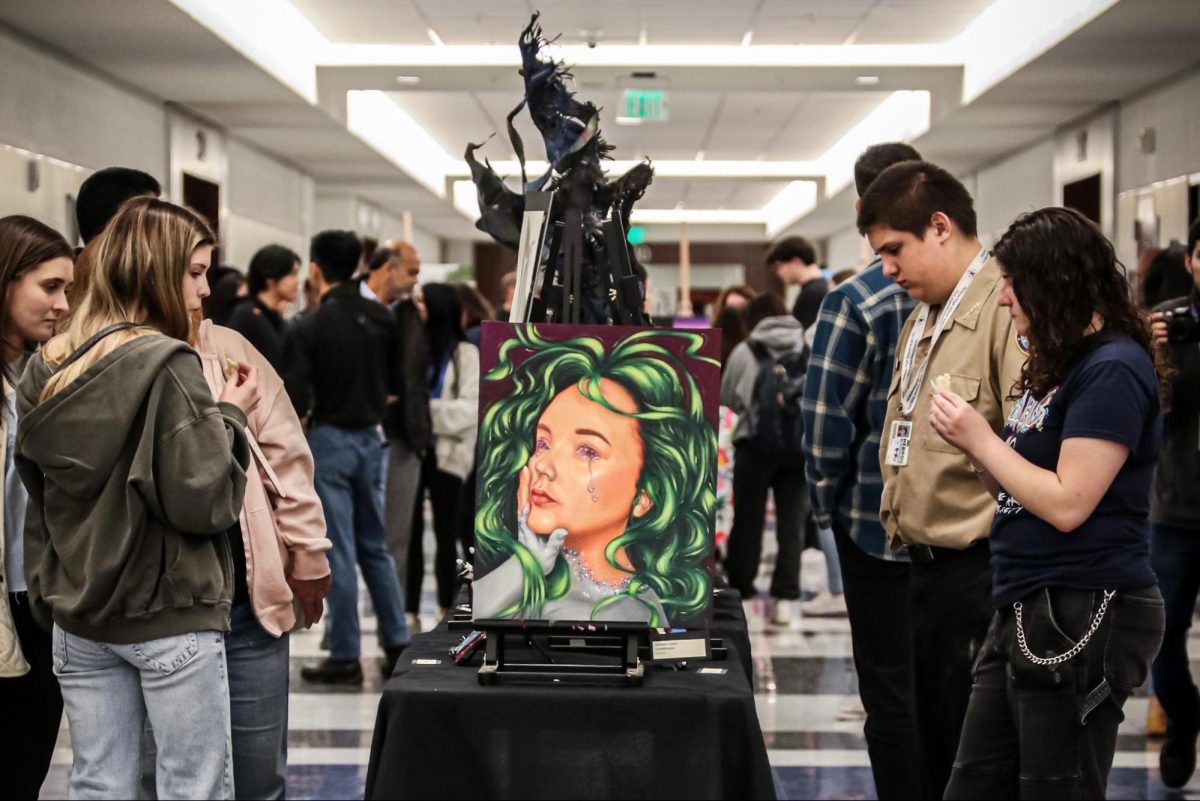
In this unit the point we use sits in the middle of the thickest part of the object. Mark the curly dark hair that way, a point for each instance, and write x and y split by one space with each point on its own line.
1064 272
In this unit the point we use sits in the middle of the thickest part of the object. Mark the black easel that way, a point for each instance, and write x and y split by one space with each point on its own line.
624 666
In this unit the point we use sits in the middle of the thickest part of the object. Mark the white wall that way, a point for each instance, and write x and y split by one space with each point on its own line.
1153 187
267 202
1022 182
69 122
50 106
847 249
1100 156
1173 111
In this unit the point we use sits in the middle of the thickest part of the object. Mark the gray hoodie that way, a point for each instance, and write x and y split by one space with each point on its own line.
780 335
131 470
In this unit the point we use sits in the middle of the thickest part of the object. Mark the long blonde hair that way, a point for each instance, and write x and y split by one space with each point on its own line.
136 276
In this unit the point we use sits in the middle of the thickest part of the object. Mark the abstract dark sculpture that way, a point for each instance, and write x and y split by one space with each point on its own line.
584 262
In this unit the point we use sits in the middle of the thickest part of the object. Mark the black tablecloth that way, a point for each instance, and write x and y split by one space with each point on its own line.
682 734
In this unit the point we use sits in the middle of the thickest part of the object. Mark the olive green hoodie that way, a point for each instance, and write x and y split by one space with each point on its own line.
134 474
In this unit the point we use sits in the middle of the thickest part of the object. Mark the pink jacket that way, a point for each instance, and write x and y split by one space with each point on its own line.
284 532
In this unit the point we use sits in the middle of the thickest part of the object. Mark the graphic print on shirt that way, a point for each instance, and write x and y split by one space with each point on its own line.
1027 415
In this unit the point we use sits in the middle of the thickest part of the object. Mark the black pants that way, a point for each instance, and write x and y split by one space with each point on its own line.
32 710
1050 731
445 494
950 604
753 475
1175 557
876 593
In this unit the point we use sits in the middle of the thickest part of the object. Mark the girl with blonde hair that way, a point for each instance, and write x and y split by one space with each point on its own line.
134 475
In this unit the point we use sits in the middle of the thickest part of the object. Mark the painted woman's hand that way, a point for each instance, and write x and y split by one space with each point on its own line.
544 549
957 422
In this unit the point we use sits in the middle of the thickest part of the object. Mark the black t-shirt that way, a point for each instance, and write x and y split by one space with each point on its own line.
808 303
237 549
1111 393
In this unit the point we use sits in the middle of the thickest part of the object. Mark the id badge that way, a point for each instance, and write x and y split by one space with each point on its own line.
897 449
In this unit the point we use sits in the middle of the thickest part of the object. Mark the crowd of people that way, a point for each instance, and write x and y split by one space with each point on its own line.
994 450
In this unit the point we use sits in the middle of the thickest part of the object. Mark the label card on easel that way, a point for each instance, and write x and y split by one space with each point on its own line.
676 645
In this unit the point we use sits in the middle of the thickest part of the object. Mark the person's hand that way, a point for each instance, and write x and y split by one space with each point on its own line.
957 422
242 388
544 549
1158 330
311 595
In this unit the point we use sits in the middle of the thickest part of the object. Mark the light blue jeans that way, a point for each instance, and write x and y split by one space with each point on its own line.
180 683
258 693
349 480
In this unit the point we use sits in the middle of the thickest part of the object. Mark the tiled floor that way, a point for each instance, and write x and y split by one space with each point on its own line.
804 680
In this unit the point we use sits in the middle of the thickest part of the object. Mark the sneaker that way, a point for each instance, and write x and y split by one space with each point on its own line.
414 622
334 671
390 658
825 604
781 613
1177 760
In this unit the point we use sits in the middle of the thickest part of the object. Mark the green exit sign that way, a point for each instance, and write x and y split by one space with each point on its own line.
649 105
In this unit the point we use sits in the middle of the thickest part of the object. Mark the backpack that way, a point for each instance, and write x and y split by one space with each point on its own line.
775 405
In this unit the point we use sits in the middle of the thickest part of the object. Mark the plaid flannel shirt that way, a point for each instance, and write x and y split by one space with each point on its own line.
845 402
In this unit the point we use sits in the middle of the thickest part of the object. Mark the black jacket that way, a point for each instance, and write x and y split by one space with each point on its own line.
262 326
409 419
342 361
1176 500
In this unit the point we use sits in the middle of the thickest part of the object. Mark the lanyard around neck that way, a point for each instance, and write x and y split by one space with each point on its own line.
910 385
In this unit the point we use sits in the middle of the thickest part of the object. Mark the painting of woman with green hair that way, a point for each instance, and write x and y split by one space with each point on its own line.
597 474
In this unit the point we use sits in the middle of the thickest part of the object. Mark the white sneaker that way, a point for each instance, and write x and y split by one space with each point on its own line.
781 613
825 604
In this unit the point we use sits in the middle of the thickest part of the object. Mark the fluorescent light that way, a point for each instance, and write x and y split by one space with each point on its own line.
793 202
379 121
466 199
645 57
867 80
628 120
747 38
408 80
1008 21
766 170
271 33
433 37
697 217
902 117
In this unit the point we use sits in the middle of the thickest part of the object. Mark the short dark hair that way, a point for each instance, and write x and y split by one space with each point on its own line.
380 258
1193 235
906 195
272 262
103 193
336 253
768 304
877 158
794 247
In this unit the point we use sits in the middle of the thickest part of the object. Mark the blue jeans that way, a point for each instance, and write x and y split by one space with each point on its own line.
179 683
258 706
349 480
833 568
1175 557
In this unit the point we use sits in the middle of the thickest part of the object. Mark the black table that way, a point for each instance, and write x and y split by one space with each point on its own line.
682 734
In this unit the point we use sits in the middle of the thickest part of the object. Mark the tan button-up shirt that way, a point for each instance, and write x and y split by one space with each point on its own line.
936 499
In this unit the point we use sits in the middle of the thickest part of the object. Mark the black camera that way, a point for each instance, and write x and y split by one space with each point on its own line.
1182 326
